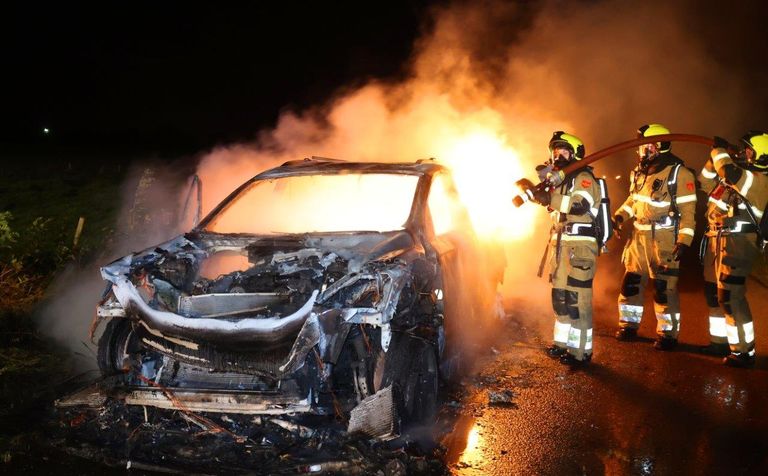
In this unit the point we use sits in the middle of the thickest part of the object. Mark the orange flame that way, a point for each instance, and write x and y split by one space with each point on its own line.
485 169
320 203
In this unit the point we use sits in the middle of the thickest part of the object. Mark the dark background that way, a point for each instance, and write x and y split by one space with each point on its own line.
173 78
176 78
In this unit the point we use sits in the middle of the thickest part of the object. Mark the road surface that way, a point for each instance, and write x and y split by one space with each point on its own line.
634 410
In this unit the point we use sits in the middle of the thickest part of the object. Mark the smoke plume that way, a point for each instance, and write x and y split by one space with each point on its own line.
150 214
515 72
489 81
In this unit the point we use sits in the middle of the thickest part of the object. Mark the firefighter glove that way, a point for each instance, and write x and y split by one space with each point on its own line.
617 221
720 143
555 177
543 170
679 250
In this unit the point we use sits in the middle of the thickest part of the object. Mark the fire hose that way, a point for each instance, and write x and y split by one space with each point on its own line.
528 187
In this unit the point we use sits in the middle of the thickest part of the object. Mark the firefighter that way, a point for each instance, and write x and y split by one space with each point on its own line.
737 205
572 200
726 216
662 201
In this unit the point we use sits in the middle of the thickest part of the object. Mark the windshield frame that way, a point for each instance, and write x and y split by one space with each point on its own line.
414 214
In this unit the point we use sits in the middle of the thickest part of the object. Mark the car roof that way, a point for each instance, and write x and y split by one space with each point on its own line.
328 166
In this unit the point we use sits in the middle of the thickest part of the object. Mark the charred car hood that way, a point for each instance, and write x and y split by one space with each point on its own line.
358 248
282 291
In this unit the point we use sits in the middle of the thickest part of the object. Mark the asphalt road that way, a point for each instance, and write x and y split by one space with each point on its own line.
634 410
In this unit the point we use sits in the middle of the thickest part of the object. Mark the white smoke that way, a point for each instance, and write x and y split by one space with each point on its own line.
150 198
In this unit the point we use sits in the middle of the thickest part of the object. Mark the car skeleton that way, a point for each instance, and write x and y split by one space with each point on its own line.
350 322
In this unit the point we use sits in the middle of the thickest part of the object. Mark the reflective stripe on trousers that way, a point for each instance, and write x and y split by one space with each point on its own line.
562 333
717 326
574 339
630 313
733 333
666 322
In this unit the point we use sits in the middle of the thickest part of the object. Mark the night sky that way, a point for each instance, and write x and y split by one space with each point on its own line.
172 78
176 78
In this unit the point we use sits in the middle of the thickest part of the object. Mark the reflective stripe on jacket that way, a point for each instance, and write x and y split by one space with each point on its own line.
753 186
650 200
575 202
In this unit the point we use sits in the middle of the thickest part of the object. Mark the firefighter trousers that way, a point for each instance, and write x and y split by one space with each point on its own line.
728 260
648 255
717 329
571 271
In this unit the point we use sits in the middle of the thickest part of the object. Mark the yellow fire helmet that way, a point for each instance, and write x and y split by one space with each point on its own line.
650 130
567 141
758 142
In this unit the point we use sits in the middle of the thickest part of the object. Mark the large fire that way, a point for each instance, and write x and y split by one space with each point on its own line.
485 169
320 203
369 125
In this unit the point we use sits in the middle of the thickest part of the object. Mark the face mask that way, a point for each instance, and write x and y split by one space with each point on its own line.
749 155
559 161
741 159
646 154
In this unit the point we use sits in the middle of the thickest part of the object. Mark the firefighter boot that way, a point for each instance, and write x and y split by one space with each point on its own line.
742 360
573 362
664 343
626 334
555 351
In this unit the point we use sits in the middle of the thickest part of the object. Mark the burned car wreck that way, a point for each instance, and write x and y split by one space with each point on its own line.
320 286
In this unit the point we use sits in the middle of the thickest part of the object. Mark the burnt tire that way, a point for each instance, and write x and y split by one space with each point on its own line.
115 346
411 366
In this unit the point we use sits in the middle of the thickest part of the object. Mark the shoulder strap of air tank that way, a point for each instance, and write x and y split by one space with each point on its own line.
603 230
672 188
672 181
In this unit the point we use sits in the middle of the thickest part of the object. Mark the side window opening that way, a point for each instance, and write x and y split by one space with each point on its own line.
444 206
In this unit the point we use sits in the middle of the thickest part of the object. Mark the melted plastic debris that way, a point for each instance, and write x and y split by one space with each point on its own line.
161 440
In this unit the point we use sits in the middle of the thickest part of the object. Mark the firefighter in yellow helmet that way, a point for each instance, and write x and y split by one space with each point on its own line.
662 201
572 200
738 194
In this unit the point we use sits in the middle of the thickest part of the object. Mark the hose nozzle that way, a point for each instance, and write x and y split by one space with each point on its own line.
526 188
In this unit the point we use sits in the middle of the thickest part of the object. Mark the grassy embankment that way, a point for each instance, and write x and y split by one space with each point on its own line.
41 201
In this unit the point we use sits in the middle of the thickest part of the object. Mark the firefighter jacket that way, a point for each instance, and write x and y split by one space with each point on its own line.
726 211
752 186
574 206
662 196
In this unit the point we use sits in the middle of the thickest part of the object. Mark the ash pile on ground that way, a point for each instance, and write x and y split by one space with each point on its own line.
82 441
151 439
